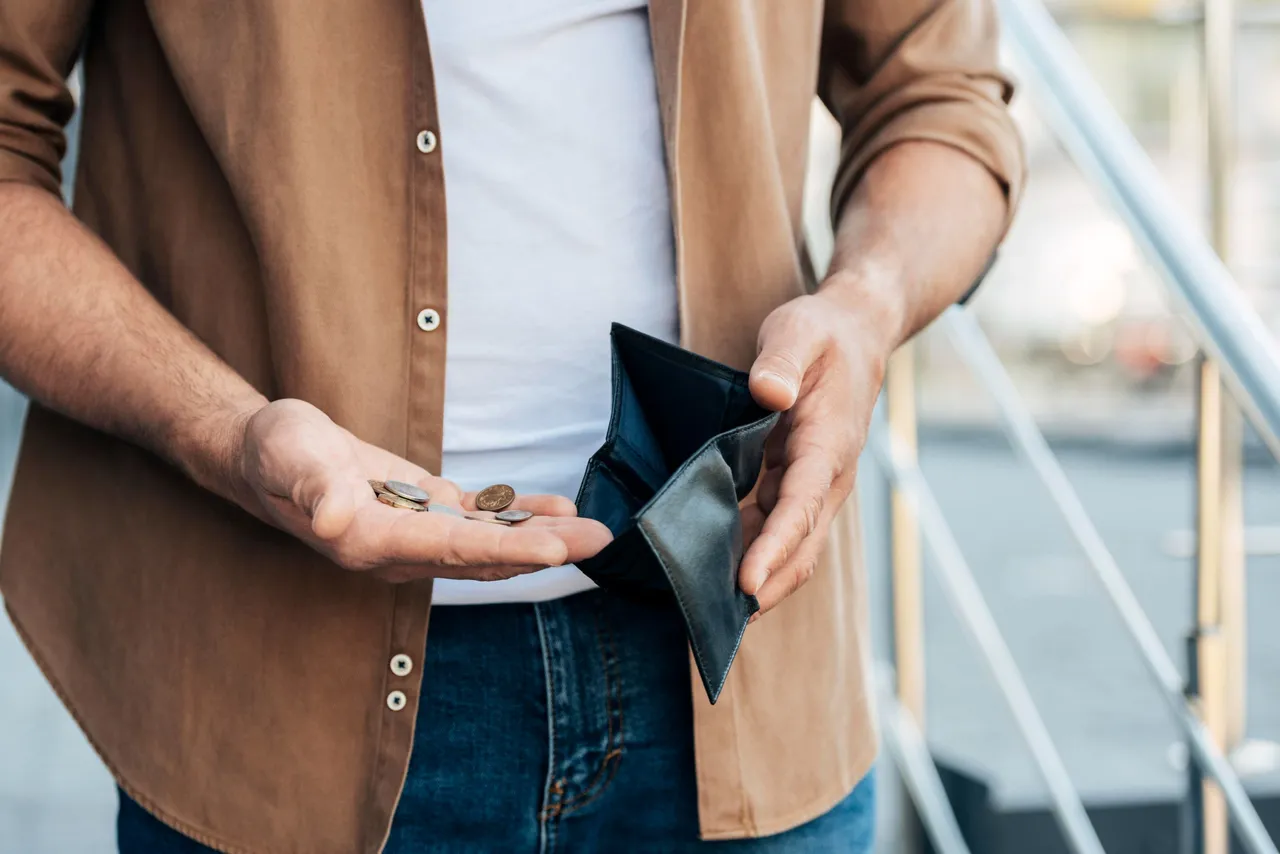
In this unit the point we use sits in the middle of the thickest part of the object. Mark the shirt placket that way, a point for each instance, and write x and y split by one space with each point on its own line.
426 319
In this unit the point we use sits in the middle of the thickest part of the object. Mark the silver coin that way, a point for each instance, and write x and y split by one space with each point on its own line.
514 515
408 490
444 508
488 520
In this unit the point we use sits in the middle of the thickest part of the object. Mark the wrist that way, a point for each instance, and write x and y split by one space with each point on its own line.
210 450
876 303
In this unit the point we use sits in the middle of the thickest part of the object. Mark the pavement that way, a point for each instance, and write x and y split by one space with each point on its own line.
1097 701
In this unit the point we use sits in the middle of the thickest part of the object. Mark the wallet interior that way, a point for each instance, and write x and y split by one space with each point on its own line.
684 446
667 404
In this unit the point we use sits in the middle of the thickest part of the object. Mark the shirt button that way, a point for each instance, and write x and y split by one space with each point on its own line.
426 142
428 320
396 700
401 665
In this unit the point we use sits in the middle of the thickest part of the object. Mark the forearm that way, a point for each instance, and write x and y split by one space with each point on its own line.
917 231
79 334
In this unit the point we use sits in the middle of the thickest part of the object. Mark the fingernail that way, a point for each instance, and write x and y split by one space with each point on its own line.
786 382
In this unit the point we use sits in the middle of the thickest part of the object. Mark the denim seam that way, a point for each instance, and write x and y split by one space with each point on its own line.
546 835
613 751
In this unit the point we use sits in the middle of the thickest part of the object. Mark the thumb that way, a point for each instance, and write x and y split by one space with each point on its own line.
332 507
785 356
329 488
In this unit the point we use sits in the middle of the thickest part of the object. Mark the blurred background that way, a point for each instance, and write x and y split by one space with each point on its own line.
1082 323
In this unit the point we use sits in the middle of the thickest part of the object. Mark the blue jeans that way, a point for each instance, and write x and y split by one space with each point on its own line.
561 726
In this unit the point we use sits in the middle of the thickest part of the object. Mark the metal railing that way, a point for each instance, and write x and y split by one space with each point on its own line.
1240 358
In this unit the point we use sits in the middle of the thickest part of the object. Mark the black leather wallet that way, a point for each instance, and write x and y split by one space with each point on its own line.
685 445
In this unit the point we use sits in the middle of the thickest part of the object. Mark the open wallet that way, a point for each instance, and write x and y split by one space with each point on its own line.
685 445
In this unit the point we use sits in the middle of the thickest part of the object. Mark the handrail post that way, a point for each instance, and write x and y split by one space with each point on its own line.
1219 654
905 566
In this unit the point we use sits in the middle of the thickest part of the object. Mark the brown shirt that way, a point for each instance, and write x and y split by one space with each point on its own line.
258 167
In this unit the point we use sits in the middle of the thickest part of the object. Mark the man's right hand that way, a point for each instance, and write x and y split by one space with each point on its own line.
295 468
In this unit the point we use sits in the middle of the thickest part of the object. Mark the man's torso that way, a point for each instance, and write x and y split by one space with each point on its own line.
559 224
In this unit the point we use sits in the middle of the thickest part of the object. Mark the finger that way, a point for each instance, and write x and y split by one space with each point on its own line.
798 570
538 505
786 352
770 485
397 536
775 447
801 501
401 573
753 517
450 541
455 541
442 491
329 497
584 538
545 505
803 564
336 508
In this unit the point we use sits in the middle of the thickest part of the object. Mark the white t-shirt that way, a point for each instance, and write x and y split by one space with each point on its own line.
559 223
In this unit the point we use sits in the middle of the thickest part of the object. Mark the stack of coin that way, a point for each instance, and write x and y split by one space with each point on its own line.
406 496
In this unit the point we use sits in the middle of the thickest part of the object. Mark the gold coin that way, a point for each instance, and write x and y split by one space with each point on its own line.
496 497
392 500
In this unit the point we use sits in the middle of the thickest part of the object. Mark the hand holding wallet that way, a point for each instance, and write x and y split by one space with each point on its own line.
685 445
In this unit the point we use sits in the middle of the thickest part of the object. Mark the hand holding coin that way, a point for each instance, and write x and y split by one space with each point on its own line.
300 471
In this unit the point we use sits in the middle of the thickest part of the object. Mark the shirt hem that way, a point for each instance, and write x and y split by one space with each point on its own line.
189 831
801 815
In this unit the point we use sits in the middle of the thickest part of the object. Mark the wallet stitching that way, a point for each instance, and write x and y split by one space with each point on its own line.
684 611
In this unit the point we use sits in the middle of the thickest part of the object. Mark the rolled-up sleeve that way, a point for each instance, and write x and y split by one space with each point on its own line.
898 70
39 41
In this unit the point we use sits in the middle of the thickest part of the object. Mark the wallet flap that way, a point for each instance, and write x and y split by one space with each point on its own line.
695 529
685 445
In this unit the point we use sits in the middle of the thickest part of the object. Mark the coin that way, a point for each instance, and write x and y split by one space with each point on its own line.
444 508
496 497
407 490
491 520
514 515
397 501
380 491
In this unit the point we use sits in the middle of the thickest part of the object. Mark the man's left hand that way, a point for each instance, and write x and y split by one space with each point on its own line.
821 365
